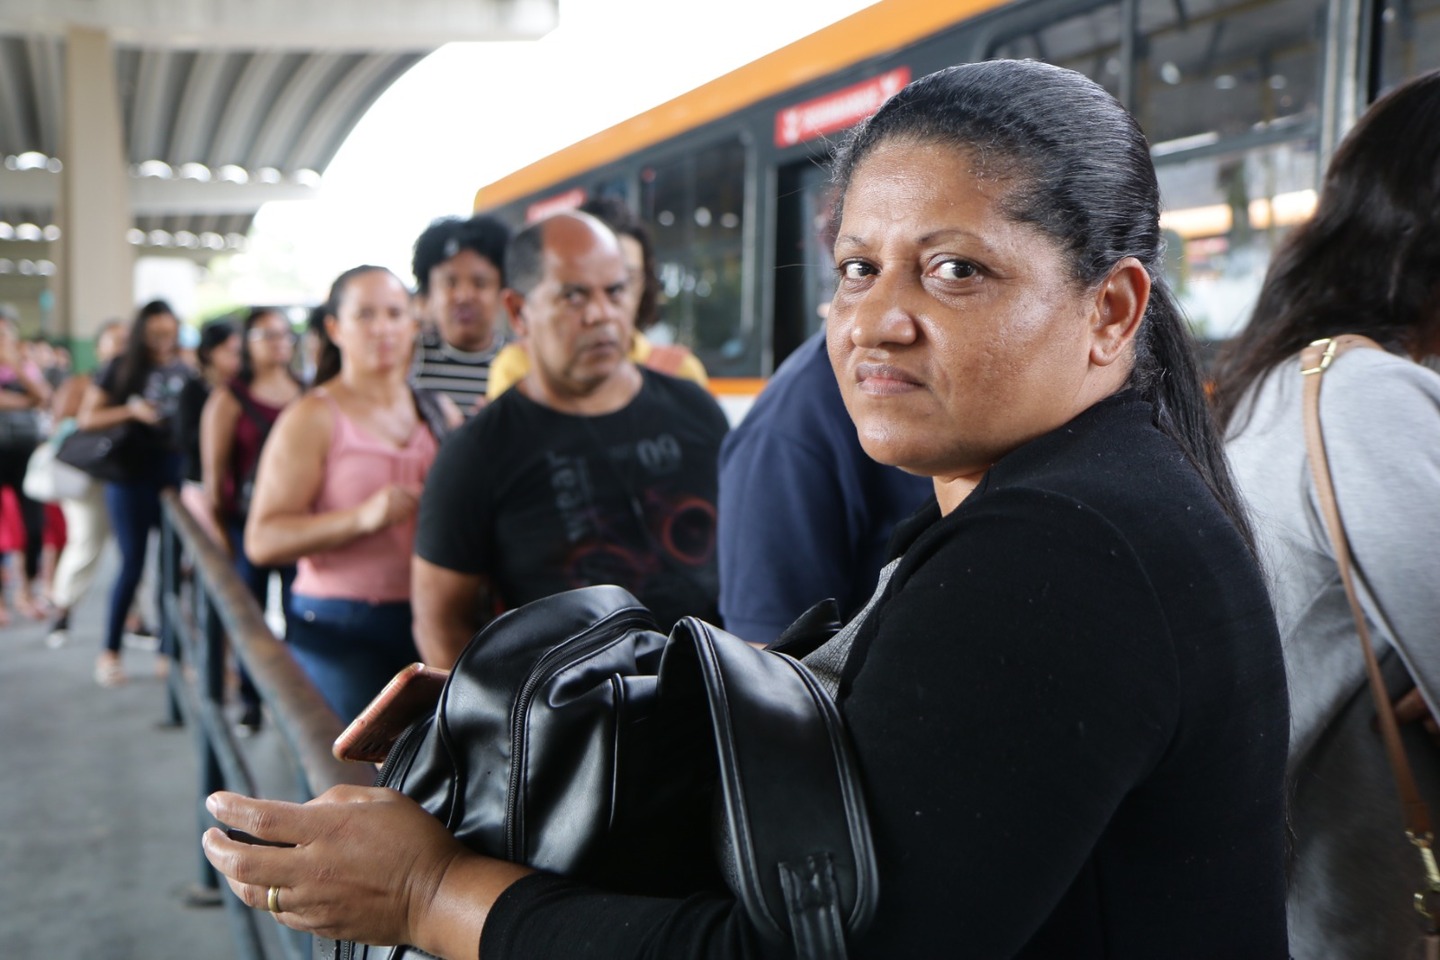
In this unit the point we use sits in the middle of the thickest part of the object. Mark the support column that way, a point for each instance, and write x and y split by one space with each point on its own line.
96 265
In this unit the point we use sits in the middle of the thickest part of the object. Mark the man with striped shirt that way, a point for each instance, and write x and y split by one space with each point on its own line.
459 273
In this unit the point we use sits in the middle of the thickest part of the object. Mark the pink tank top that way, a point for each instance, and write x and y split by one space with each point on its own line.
375 568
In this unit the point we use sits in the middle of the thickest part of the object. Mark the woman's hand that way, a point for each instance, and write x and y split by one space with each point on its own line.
1412 708
142 410
388 505
368 864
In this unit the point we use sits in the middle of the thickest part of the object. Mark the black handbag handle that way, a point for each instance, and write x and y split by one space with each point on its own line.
804 872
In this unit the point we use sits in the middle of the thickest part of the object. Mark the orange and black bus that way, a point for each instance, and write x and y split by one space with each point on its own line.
1243 101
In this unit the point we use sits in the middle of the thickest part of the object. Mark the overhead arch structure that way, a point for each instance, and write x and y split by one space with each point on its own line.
180 118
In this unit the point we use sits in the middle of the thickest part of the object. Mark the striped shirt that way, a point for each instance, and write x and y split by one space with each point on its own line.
459 374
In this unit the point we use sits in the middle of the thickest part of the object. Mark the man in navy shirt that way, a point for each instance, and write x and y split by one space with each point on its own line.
805 515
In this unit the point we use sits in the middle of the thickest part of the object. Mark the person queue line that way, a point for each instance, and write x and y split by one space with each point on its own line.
1084 608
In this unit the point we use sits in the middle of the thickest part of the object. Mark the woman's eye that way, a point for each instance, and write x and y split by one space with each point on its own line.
854 270
955 270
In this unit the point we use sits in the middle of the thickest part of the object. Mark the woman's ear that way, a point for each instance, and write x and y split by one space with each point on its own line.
1119 306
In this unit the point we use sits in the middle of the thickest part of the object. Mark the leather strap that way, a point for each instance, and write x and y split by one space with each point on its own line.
1314 361
812 901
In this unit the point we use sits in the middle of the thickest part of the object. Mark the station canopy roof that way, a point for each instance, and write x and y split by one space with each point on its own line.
225 104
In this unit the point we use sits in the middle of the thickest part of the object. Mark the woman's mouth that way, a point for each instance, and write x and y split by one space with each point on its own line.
884 379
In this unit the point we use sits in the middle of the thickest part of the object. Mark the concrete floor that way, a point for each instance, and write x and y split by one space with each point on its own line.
99 815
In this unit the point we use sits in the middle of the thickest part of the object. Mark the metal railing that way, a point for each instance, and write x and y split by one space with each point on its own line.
205 610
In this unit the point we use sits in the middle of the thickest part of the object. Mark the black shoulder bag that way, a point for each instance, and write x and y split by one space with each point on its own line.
112 454
573 737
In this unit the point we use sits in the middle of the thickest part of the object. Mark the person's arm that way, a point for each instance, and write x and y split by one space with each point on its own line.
778 501
450 575
97 412
34 392
446 606
66 401
281 528
454 416
189 412
217 448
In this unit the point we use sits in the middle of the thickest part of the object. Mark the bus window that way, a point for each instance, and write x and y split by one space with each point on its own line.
804 262
1409 40
1223 216
1226 69
1226 92
1087 43
696 205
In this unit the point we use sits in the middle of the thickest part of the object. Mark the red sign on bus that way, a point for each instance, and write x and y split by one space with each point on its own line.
838 110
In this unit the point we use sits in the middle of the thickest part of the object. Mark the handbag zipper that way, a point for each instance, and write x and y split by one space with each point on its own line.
598 636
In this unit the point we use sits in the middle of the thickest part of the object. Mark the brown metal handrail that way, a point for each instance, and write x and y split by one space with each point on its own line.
222 614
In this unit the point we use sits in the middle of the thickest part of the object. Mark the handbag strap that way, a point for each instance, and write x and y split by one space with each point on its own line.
1314 361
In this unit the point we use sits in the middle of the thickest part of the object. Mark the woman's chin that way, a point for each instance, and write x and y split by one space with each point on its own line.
894 448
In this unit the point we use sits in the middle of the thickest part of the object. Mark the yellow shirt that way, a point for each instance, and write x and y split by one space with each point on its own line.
512 363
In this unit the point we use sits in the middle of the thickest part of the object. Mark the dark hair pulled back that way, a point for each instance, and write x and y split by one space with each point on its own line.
328 361
1078 169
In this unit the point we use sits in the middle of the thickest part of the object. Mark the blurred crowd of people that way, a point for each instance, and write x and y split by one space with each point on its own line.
303 449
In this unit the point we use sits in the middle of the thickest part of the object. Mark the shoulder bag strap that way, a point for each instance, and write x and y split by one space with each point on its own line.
430 411
253 413
1314 361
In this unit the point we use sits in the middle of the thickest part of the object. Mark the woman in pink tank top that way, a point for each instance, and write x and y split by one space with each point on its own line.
337 492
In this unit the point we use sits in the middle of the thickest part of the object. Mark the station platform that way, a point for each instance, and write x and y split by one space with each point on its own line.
99 804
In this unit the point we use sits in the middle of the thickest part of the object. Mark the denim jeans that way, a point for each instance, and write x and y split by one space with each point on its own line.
134 508
349 648
257 579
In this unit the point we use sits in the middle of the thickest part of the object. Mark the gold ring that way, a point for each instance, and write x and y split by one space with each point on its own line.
272 900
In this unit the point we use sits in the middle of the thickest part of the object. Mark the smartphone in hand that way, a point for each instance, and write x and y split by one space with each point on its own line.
411 695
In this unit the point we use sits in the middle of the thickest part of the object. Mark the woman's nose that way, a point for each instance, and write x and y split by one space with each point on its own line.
886 314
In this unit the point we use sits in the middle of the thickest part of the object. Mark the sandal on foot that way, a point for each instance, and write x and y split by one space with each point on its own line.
109 673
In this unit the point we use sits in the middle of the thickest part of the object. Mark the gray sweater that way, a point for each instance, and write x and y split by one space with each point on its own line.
1353 873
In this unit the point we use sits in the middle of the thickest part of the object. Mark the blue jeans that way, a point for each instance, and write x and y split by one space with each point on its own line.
134 509
349 648
257 579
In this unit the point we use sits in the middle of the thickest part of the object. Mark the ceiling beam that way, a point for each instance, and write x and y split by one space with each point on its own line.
152 197
198 115
287 24
244 109
46 80
284 112
332 119
151 107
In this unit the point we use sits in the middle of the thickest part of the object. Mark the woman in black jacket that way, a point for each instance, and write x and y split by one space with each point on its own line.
1067 700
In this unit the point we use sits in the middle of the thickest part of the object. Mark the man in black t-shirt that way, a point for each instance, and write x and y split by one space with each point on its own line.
590 471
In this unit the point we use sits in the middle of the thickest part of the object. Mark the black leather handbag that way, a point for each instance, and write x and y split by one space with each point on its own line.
573 737
110 454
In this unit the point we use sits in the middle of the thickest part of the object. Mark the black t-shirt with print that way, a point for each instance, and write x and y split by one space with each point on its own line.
542 501
163 387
